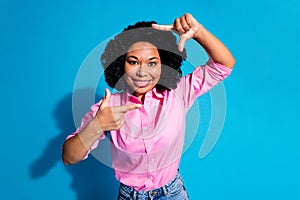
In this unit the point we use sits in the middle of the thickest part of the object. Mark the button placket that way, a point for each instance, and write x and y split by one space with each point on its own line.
151 164
146 129
151 176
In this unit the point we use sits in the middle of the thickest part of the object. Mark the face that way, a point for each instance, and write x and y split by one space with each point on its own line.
142 68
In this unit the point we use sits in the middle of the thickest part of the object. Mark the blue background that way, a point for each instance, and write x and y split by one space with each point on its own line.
42 46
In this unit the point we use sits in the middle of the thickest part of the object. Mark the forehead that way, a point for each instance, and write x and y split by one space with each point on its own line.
142 47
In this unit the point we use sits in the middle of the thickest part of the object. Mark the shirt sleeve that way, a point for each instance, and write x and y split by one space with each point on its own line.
84 122
201 80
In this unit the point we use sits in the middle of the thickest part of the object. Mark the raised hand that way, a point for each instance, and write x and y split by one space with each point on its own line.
186 26
112 117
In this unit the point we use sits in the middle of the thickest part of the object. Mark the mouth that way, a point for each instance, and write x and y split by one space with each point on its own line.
141 83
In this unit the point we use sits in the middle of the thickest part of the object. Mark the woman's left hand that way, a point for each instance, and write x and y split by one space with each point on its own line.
186 26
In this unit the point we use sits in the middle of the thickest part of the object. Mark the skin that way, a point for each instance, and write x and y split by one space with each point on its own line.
142 68
187 27
112 118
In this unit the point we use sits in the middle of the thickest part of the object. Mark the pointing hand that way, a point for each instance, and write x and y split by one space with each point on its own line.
112 117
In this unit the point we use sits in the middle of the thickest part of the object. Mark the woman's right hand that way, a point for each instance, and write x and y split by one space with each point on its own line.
112 117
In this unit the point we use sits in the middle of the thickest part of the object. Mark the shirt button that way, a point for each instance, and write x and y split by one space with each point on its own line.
149 148
151 177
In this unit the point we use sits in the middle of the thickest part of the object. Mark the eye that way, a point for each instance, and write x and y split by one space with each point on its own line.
132 62
152 64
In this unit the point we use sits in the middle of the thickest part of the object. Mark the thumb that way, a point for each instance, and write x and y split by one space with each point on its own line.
181 43
105 101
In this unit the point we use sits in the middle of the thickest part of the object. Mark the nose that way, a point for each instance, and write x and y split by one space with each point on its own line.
142 71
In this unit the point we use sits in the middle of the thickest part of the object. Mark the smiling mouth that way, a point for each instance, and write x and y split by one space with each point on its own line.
141 83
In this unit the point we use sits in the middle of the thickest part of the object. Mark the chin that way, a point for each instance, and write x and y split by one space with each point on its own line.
142 90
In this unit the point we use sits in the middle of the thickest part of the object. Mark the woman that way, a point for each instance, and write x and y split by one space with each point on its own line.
146 119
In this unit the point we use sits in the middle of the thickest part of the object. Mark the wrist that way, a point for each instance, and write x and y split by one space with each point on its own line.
199 33
96 126
90 134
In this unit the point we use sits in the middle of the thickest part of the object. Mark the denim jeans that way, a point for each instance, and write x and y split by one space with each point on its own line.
174 190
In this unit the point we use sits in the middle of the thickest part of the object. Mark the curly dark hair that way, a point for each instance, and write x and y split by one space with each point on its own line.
113 58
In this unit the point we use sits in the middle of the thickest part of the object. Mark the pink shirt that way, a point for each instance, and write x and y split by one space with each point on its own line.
146 151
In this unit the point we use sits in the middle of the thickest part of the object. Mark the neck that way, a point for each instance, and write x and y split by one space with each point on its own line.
140 97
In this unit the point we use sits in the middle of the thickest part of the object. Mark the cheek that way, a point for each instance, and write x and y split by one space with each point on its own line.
156 73
127 78
129 71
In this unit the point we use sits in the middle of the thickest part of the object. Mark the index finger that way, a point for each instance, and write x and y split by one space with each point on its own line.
163 27
127 108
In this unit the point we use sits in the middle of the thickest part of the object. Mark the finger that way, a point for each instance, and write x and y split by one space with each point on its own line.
163 27
178 26
120 123
184 23
126 108
105 101
189 19
134 106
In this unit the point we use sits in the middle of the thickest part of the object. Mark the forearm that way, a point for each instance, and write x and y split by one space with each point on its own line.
214 47
76 147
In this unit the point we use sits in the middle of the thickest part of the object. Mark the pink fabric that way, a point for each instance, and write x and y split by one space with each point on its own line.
146 151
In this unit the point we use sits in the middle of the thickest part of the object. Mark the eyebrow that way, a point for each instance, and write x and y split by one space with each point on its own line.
151 58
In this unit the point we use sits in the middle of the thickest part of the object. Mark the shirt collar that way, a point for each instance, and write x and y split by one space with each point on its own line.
159 94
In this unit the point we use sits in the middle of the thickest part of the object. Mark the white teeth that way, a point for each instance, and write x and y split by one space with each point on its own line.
141 83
